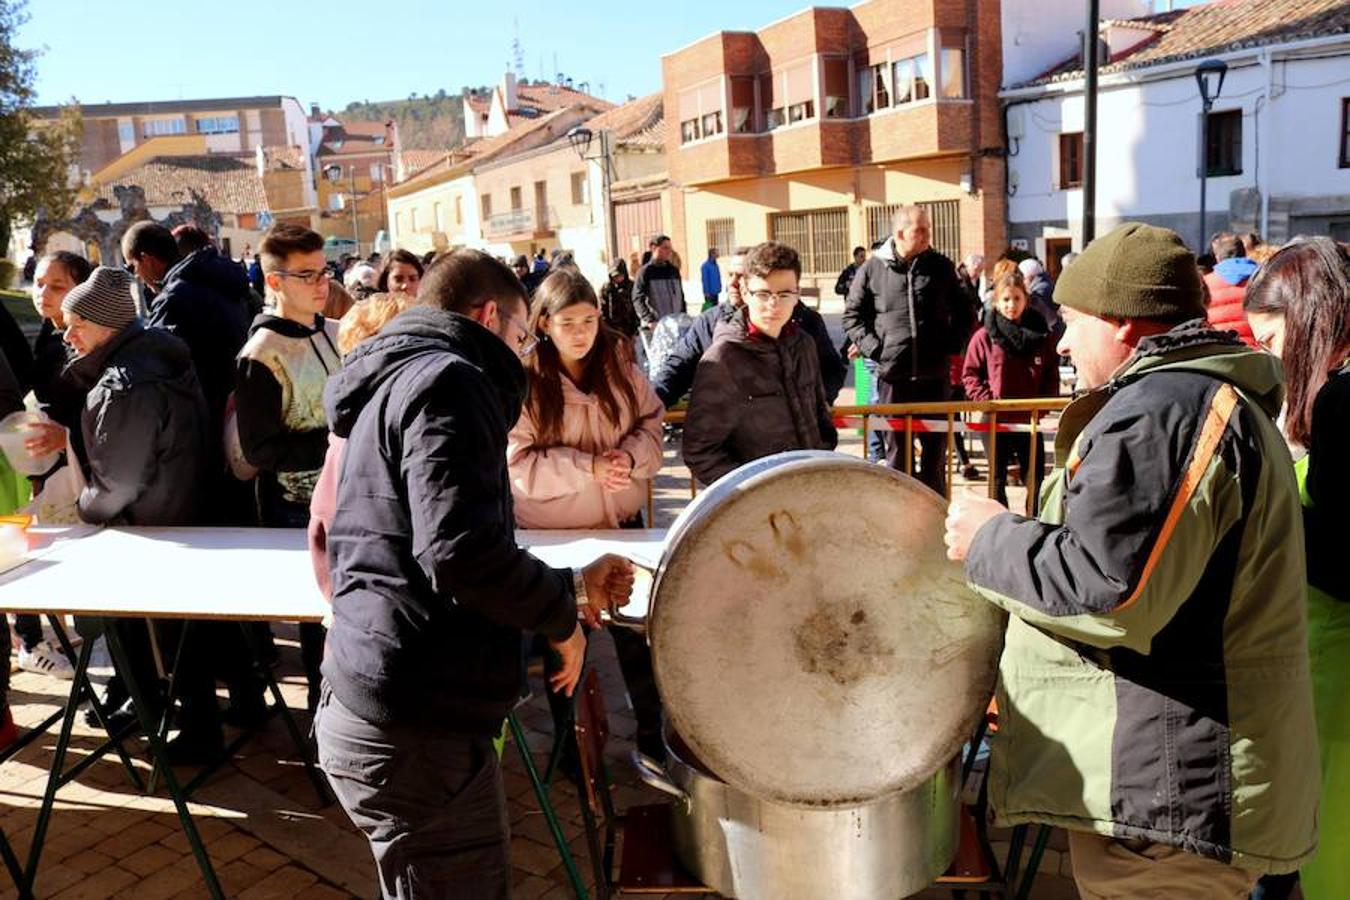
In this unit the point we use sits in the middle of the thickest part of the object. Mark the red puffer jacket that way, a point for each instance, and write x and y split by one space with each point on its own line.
1227 286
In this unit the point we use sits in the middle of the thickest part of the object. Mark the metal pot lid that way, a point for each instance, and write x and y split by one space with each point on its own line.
812 643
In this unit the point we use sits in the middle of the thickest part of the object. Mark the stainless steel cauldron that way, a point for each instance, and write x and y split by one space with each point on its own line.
812 643
755 849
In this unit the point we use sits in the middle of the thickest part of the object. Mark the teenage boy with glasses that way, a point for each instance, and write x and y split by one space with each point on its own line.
283 432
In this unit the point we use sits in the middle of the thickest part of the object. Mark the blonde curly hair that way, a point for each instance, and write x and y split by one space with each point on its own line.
366 318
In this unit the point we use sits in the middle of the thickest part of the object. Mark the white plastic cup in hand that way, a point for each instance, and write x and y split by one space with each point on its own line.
20 428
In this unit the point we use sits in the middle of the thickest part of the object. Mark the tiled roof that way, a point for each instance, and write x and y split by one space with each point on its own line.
483 149
354 139
638 123
371 129
229 184
415 161
1221 26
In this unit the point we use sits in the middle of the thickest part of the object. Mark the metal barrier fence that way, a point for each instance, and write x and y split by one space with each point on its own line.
941 417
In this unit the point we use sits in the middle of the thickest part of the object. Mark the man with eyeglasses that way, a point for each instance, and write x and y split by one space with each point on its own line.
758 389
431 593
281 428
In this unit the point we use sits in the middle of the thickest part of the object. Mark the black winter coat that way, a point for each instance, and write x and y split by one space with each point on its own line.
676 375
205 301
755 396
144 425
430 590
877 315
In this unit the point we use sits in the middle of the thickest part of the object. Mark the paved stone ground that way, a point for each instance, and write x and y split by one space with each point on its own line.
264 830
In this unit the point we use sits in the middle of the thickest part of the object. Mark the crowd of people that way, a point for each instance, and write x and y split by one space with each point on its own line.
412 412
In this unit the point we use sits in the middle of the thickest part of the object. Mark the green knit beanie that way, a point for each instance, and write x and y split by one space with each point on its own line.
1136 271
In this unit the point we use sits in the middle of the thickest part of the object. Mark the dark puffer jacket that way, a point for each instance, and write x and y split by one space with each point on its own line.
144 424
430 590
676 375
754 396
877 314
205 302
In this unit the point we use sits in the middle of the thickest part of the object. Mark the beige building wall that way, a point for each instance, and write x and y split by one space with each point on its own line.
412 218
749 203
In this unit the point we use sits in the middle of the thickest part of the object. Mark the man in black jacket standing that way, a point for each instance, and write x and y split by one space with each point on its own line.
430 591
657 289
906 312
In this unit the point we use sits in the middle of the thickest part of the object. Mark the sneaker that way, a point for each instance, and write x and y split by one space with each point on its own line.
970 472
45 659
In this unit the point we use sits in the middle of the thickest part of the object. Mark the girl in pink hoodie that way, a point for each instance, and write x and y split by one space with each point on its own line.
589 439
583 452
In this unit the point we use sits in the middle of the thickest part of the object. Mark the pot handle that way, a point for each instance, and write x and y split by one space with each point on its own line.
614 616
653 774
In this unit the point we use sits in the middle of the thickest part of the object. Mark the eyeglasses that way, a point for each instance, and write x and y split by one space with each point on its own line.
525 342
309 276
788 297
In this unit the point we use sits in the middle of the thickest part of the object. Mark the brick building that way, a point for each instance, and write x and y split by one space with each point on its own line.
226 125
362 157
814 129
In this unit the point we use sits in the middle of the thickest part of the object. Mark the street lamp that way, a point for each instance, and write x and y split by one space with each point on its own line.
580 138
1209 76
334 175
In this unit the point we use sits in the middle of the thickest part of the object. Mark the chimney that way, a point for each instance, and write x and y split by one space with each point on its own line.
509 97
261 159
314 111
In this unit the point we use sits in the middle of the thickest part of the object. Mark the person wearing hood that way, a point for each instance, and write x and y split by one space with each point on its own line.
906 311
1154 687
431 592
758 389
1227 285
1011 357
144 426
616 301
282 370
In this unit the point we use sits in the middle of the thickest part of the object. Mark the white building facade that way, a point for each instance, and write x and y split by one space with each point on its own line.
1278 156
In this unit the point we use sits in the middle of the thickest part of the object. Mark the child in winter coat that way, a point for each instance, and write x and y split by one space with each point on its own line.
587 443
1012 357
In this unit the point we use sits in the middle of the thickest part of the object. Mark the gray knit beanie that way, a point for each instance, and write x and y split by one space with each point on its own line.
103 298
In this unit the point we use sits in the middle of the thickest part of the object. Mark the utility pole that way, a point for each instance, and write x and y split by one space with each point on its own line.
1090 44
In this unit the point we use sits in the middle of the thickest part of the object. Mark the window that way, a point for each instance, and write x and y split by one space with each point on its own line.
540 199
438 213
398 223
581 189
952 74
158 127
218 125
792 95
1223 154
459 209
820 238
486 203
516 202
742 104
413 214
126 132
874 87
1345 133
1071 160
944 214
913 77
722 235
701 112
376 170
836 88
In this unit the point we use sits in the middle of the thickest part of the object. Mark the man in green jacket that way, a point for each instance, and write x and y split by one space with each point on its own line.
1154 695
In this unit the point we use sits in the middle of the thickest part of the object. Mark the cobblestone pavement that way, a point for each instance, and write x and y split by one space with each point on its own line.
263 828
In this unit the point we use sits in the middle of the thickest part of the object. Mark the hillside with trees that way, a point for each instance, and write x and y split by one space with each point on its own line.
425 121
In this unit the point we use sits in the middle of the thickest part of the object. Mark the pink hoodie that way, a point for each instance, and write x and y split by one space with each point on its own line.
553 486
322 508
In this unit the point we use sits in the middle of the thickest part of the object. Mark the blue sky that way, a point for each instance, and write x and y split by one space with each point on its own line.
125 50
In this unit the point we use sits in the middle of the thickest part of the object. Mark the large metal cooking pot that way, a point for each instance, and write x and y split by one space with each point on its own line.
812 644
744 847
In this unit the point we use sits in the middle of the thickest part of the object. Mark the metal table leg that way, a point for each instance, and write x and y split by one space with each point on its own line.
139 701
546 807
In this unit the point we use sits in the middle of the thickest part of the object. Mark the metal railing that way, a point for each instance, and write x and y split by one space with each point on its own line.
941 417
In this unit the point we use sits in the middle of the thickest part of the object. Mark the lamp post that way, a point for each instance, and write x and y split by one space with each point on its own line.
580 138
334 174
1209 76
